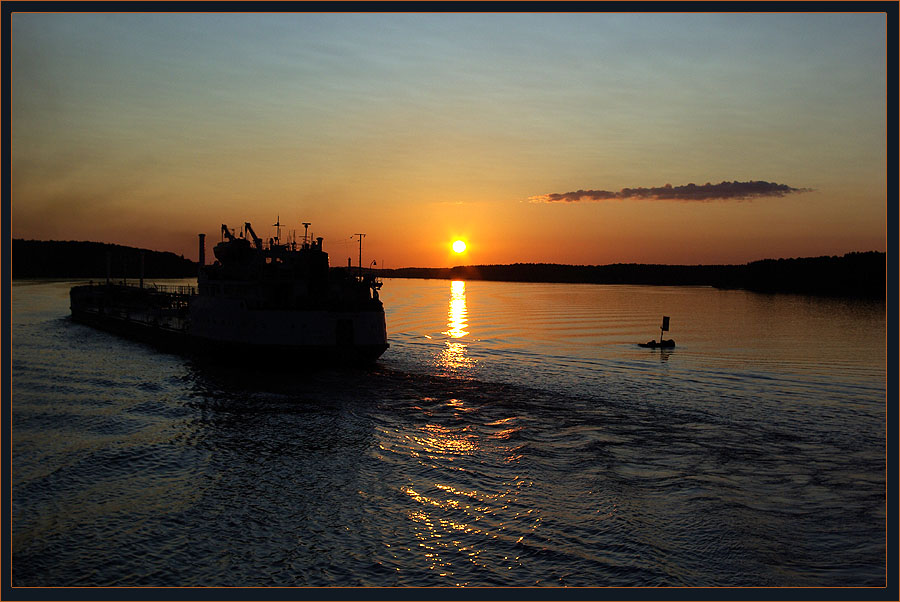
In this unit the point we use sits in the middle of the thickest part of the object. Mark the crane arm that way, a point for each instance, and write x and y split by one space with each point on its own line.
256 240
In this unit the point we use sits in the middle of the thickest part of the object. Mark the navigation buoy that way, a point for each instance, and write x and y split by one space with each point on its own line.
661 344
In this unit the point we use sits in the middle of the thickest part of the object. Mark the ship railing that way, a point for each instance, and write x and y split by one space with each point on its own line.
170 289
173 289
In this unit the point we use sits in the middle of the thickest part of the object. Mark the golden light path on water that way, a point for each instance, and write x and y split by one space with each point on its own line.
457 315
454 355
454 524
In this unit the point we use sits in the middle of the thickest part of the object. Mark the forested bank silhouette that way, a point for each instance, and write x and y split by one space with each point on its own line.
854 274
78 259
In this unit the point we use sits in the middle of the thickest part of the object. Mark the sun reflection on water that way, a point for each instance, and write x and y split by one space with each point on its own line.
437 440
460 523
455 526
454 355
457 315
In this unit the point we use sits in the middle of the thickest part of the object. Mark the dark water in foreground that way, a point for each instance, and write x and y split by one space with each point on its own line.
513 435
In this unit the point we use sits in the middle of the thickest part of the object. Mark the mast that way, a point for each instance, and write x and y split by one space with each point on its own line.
361 236
277 225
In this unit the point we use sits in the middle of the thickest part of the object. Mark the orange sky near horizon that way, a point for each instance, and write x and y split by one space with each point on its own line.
419 130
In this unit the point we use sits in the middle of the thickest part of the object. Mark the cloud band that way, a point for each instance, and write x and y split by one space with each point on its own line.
691 192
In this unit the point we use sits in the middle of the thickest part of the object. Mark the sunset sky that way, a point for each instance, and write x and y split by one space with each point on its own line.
517 133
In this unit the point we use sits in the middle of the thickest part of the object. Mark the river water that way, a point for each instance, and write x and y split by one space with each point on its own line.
513 435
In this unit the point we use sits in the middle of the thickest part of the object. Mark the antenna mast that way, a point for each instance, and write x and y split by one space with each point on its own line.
361 236
277 225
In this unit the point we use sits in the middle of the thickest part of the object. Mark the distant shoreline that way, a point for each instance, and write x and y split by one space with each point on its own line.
851 275
858 274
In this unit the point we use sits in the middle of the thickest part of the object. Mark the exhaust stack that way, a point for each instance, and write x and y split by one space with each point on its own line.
202 261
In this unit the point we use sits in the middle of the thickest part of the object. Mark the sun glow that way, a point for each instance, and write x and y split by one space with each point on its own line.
459 246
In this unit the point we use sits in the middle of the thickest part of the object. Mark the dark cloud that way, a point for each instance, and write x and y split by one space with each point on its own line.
690 192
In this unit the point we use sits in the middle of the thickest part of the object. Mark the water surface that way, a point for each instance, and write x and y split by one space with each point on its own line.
512 435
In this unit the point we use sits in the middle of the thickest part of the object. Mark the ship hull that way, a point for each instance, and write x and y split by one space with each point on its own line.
286 356
286 338
138 330
297 356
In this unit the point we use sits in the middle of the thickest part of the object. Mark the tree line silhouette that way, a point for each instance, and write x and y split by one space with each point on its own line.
854 274
77 259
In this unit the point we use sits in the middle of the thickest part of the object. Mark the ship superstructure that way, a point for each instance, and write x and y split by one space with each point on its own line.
259 300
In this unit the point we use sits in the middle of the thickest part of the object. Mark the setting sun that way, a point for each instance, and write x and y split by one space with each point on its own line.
459 246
